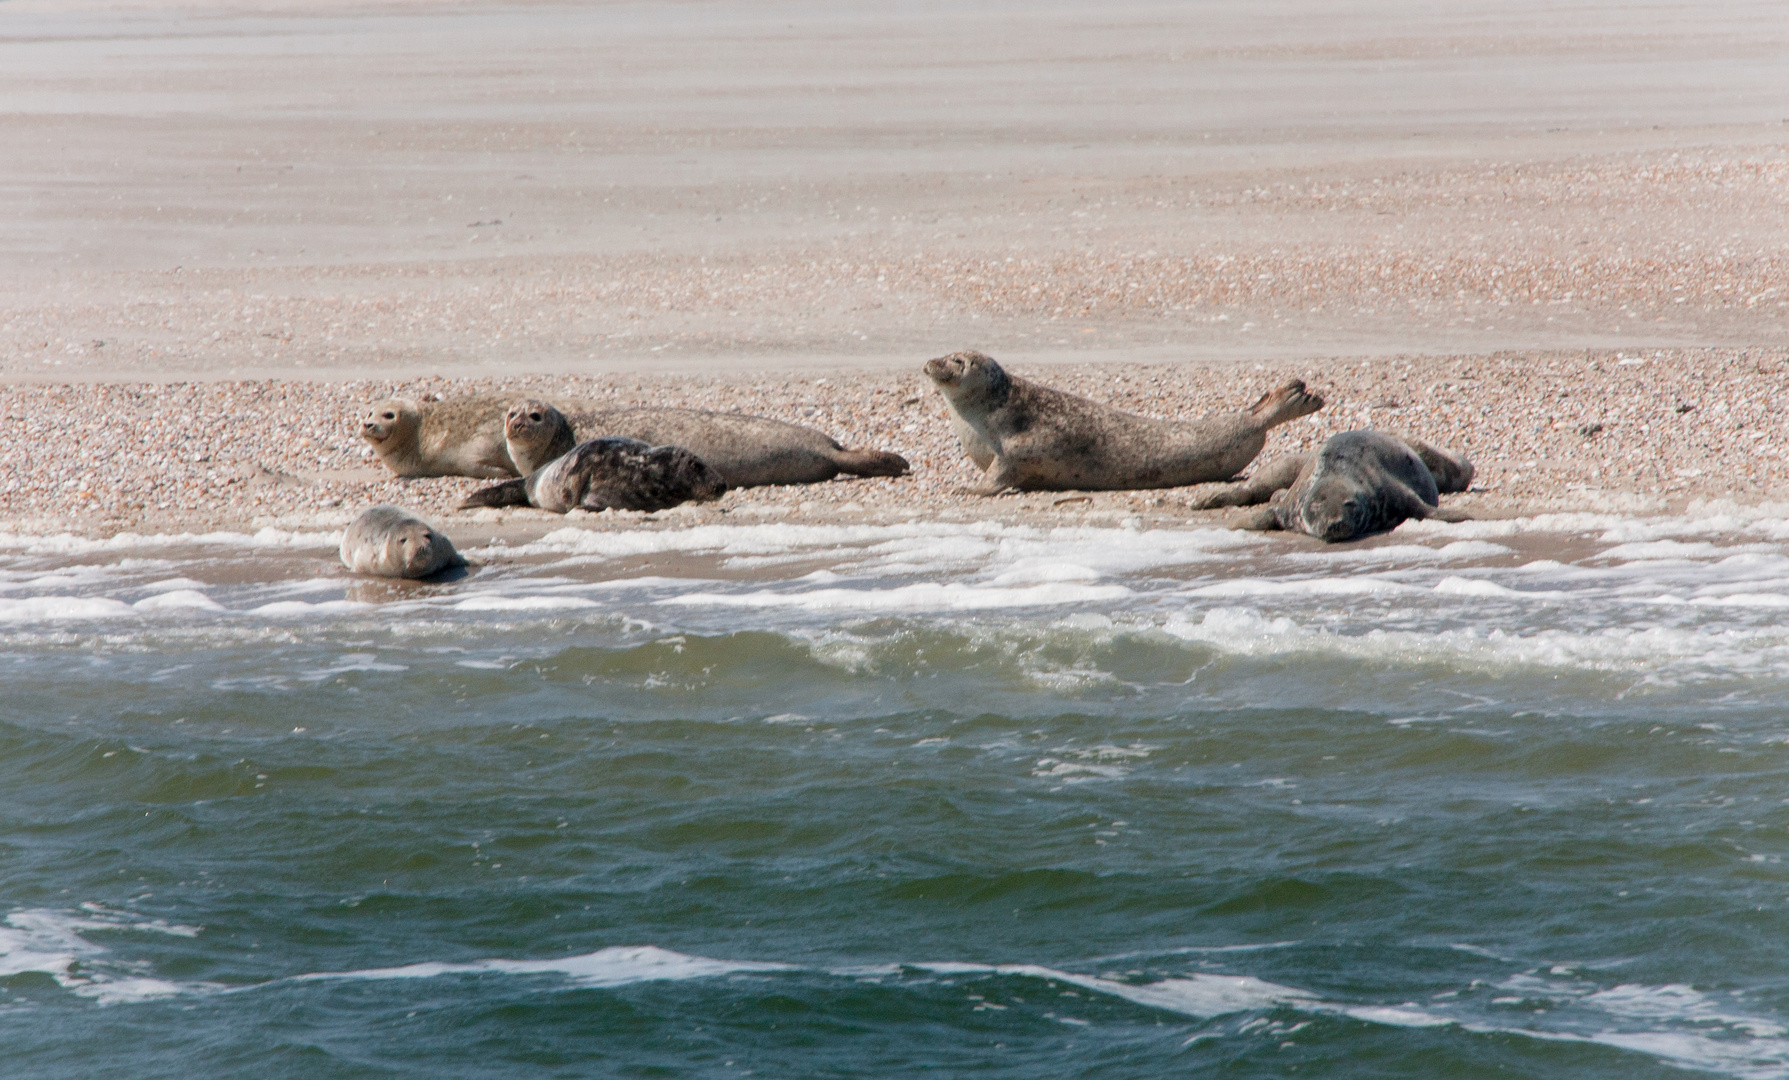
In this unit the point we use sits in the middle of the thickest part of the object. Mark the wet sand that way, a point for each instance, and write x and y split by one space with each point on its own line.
231 223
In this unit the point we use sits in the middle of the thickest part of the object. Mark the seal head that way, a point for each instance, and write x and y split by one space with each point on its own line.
389 541
1357 484
392 423
535 433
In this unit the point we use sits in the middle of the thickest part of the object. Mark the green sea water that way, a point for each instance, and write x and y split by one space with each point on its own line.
1466 801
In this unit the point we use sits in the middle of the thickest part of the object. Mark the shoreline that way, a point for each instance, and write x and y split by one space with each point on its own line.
1616 432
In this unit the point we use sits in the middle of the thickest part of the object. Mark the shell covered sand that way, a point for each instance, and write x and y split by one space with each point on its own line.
1621 431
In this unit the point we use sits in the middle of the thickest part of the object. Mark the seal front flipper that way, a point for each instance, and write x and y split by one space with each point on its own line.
1277 475
1000 479
508 493
1254 519
871 463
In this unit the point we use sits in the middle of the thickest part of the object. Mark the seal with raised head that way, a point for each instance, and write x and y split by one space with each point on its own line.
392 542
1032 438
747 451
1452 471
1359 483
460 436
609 474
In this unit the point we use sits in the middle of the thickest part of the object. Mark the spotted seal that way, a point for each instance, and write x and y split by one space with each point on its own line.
392 542
609 474
1032 438
747 451
460 436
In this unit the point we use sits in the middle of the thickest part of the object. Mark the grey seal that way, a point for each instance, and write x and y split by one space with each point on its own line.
392 542
747 451
1032 438
457 437
1359 483
609 474
1451 471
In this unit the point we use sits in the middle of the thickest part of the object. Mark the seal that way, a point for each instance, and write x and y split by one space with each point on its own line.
392 542
1032 438
1358 483
456 437
1451 471
609 474
747 451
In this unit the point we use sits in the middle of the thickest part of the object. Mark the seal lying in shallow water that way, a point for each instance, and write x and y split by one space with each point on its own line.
1362 482
747 451
609 474
457 437
392 542
1031 438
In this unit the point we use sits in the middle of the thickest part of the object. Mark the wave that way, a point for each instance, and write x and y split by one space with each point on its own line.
1672 1023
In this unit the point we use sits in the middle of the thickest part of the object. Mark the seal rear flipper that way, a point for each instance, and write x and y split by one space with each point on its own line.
871 463
1288 401
508 493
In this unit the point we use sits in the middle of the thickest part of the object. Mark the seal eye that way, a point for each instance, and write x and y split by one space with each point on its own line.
390 416
534 416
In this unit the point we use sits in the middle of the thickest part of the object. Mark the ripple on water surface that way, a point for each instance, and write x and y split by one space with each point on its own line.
873 800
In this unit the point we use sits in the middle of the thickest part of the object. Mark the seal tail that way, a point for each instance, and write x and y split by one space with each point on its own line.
1287 401
871 463
508 493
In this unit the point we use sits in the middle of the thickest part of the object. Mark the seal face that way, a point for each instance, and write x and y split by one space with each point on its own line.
392 542
535 433
1357 484
455 437
1032 438
609 474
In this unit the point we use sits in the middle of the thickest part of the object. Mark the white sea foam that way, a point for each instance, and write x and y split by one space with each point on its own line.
291 608
1459 586
178 600
51 942
70 544
921 597
496 602
1328 586
615 966
1631 649
61 608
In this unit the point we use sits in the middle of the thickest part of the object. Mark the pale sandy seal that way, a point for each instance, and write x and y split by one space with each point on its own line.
393 542
460 436
609 474
1452 472
747 451
1031 438
1359 483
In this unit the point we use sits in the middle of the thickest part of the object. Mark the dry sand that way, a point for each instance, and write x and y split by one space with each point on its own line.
232 222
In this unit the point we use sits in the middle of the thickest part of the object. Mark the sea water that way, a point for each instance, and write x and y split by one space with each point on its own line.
1501 798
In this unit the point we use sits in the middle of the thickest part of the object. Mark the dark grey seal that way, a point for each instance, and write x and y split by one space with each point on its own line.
393 542
747 451
1452 471
1359 483
1032 438
609 474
